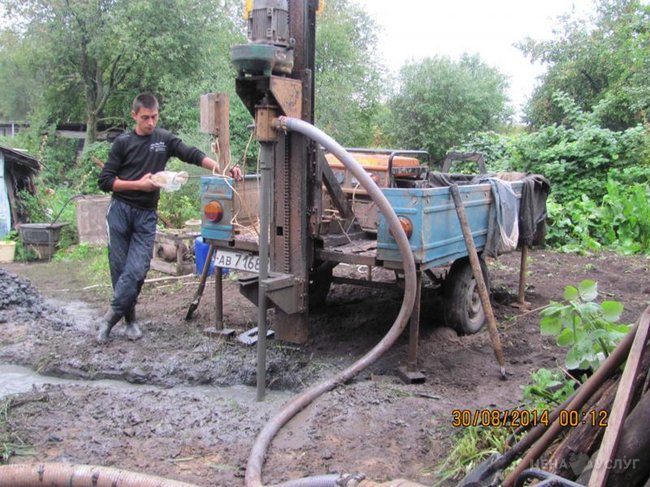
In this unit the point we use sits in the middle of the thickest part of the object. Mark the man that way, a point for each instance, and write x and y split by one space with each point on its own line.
131 218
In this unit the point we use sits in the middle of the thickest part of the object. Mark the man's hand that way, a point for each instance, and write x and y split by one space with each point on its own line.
236 173
213 166
145 183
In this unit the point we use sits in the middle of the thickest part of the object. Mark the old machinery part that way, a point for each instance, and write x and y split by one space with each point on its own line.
256 460
261 59
268 22
270 48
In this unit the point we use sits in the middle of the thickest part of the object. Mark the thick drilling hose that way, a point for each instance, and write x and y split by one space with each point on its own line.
63 475
258 452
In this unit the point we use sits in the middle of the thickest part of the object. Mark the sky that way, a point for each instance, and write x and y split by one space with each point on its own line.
415 29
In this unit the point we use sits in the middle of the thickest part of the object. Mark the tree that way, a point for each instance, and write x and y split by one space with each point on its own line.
348 76
601 64
20 88
440 101
92 51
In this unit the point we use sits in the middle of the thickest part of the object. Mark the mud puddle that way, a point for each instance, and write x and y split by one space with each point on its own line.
15 379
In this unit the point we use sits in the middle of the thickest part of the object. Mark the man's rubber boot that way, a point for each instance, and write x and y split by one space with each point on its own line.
133 331
106 324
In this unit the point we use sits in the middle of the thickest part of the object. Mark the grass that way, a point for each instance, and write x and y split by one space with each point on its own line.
472 446
93 257
10 444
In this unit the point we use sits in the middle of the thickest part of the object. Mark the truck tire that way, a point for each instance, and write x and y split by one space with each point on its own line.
463 308
320 281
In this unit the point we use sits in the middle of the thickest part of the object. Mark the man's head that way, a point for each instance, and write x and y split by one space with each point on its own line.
145 113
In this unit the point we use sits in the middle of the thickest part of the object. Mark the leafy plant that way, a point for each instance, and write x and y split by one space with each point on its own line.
587 328
571 225
626 209
548 388
11 236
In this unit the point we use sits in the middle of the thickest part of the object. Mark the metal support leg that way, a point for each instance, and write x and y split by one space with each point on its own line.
218 328
523 269
410 374
218 298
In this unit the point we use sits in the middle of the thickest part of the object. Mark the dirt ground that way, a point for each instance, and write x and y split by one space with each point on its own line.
179 405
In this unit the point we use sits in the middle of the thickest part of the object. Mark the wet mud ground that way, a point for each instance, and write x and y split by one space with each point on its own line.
184 407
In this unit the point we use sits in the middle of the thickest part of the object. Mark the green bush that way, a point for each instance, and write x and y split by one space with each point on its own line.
625 214
88 167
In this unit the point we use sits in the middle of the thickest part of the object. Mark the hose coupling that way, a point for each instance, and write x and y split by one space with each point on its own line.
350 479
280 123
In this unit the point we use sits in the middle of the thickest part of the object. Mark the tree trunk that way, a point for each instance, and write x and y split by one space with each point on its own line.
91 129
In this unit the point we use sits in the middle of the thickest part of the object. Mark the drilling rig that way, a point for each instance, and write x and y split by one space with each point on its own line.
288 258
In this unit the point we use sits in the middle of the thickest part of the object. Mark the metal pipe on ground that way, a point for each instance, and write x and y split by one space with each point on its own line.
63 475
266 158
256 459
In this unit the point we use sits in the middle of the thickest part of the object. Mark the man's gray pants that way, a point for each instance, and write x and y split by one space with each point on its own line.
131 234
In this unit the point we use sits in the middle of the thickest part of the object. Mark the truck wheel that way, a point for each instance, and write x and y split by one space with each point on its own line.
320 281
463 307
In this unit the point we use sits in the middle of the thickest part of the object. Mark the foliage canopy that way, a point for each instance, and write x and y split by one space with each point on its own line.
440 101
602 65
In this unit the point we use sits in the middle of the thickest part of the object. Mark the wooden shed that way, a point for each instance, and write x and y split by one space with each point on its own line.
17 172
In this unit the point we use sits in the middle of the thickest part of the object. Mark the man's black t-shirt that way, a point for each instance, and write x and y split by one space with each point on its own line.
132 156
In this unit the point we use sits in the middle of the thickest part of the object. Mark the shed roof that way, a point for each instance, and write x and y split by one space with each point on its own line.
21 159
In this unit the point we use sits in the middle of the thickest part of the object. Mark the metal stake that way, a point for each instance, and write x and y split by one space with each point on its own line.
523 269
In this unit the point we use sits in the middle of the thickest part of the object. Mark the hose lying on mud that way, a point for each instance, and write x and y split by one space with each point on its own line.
59 474
256 459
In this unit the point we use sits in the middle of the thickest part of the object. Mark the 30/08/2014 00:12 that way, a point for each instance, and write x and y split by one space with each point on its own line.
525 418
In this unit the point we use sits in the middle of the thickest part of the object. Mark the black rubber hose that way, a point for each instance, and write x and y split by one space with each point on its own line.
288 411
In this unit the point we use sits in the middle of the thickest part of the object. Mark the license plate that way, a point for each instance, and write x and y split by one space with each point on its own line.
241 261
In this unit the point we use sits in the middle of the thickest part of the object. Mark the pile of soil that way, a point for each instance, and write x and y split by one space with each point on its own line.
179 405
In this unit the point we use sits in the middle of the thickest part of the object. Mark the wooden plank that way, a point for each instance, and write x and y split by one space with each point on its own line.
621 404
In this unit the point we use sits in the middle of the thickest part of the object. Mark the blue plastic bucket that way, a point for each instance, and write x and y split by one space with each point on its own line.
201 253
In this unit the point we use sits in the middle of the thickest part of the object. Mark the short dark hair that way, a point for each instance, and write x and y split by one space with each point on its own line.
144 100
